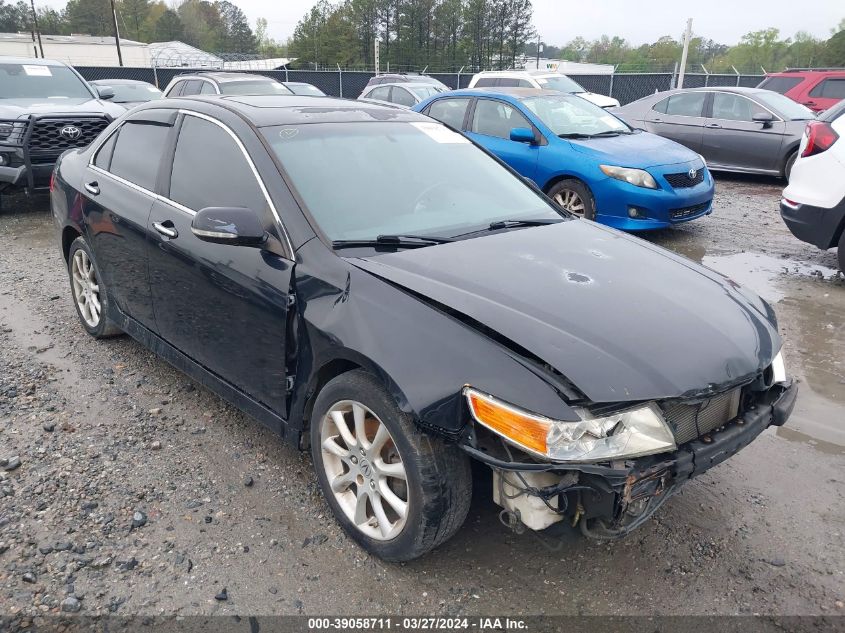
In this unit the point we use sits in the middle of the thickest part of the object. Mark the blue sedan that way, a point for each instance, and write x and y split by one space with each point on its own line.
587 160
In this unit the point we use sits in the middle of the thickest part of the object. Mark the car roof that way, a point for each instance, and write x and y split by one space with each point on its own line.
223 77
515 94
34 61
404 84
521 72
100 82
267 110
737 89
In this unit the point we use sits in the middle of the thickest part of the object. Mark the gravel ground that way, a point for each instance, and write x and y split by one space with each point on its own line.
126 488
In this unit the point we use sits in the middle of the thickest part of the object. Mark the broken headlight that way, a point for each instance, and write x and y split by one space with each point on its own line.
632 432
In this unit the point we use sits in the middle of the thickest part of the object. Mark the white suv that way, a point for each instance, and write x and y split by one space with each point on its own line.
813 205
542 79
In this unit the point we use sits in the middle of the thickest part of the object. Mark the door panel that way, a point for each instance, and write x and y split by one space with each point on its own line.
491 124
117 219
732 139
224 306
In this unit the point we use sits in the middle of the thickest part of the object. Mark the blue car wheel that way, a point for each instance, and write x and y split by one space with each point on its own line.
574 196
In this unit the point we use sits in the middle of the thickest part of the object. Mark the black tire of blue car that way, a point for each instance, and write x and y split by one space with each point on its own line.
438 481
101 326
574 196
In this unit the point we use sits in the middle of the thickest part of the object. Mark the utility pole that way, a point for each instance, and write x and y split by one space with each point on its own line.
377 55
538 51
37 32
116 34
687 37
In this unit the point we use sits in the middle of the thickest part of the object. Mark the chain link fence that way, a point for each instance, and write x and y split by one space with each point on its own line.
626 87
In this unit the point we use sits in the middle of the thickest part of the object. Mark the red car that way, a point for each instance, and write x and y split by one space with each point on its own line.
816 88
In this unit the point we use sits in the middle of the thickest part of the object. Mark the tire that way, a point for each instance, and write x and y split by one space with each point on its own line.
841 252
787 166
437 486
574 196
88 290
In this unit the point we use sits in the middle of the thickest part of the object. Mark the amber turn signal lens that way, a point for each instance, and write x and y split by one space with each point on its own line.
527 431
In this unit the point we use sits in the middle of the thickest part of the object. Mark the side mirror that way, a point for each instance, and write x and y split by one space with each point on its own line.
523 135
236 226
765 118
105 92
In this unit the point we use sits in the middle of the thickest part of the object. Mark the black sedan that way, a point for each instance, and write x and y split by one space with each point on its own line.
456 315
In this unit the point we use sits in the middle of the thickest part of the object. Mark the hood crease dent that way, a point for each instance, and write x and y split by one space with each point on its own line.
619 319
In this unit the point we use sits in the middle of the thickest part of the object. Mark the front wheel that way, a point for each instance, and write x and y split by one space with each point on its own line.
88 291
397 491
574 196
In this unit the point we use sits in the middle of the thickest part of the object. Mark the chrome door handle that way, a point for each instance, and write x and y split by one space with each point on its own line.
92 188
166 231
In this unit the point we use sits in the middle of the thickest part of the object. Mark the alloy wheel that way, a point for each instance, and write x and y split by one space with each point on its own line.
364 470
569 200
86 288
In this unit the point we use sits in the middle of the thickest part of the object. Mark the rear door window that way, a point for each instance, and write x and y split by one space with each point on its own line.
685 104
450 111
833 88
138 153
381 93
176 90
402 97
192 87
486 82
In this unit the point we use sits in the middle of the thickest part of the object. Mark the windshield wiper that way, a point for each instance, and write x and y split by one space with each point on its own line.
399 241
509 224
597 135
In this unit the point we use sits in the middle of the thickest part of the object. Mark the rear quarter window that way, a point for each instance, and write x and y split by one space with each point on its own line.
780 84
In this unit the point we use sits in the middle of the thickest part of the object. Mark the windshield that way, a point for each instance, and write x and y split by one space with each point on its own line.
785 106
424 92
306 89
399 178
561 83
254 87
35 81
567 116
131 93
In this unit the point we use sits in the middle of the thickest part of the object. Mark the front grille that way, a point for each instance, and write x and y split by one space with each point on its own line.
46 140
689 421
686 212
683 181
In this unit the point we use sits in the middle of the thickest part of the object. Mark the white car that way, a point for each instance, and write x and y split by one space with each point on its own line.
542 79
813 205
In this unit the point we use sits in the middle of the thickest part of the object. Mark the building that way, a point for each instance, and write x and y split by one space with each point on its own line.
76 50
567 68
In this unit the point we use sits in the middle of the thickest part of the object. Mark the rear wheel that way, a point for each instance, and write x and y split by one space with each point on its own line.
841 252
787 167
574 196
397 491
88 291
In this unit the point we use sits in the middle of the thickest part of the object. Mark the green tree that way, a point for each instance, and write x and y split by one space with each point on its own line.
168 27
92 17
134 14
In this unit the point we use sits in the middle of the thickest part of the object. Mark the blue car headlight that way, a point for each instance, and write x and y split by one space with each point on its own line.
636 177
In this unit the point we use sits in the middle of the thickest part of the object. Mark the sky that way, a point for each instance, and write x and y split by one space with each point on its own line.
559 21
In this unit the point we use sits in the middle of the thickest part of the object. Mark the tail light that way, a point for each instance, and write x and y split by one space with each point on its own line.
820 136
52 181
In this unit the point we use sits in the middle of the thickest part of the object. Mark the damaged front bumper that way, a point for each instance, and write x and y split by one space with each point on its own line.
609 501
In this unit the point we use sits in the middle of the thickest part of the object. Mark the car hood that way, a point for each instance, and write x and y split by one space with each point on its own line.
641 149
21 108
622 319
601 101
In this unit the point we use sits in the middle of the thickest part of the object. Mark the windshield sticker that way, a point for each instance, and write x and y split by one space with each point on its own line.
288 133
440 133
37 71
